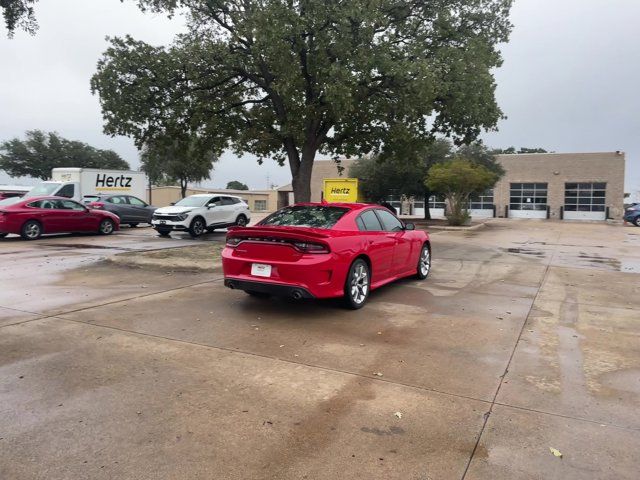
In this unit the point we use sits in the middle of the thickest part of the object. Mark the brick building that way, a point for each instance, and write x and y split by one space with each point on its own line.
573 186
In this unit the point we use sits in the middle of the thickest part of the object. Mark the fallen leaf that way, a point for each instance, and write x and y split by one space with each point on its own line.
556 453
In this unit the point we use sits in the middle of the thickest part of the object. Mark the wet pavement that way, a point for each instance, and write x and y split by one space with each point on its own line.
524 337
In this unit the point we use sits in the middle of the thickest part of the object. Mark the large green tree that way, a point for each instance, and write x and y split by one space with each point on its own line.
289 79
177 160
41 151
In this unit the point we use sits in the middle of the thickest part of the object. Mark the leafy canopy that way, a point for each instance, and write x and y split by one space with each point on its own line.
458 179
522 150
41 151
236 185
289 79
19 14
180 160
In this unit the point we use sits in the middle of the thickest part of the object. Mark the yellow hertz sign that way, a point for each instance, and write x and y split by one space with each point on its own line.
340 190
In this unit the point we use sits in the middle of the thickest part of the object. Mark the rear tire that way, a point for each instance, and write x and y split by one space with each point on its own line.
241 221
106 227
636 221
197 227
31 230
358 285
424 263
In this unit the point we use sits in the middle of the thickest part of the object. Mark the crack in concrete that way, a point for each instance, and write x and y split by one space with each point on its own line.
506 370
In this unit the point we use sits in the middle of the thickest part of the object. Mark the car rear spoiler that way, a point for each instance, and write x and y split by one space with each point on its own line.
283 232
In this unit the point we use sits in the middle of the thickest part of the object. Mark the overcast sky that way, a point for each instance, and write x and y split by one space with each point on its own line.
570 80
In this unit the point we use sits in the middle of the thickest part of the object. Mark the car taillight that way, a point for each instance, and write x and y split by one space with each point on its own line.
308 247
233 241
97 205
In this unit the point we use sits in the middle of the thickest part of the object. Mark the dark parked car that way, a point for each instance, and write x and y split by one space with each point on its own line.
131 210
632 214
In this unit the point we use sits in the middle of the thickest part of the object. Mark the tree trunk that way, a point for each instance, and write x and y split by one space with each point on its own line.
427 212
183 187
301 170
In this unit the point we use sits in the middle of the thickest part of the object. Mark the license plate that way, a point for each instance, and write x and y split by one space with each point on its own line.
260 270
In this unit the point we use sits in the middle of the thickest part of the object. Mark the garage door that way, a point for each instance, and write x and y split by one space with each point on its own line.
481 206
528 200
436 206
417 209
585 201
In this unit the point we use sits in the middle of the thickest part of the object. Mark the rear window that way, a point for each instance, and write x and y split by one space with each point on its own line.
10 201
306 216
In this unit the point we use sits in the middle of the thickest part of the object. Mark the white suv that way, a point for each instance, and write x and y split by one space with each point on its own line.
199 213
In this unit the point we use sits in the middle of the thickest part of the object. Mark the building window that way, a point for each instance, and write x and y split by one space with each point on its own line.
528 196
260 205
483 201
436 201
584 197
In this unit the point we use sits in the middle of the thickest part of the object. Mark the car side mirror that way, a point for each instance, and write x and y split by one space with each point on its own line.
409 226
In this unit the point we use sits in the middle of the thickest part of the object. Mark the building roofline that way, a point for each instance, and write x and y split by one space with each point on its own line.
616 152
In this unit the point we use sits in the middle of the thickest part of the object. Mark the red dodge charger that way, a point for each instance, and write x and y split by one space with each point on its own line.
33 217
320 250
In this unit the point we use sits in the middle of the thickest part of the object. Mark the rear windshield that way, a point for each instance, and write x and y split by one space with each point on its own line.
43 190
11 200
306 216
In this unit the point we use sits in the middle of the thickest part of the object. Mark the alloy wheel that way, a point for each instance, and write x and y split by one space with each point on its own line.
425 262
32 230
242 221
359 284
106 227
198 227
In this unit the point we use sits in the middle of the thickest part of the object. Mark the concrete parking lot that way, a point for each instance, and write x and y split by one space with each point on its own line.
525 337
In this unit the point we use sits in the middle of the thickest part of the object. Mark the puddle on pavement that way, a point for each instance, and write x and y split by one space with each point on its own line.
525 251
555 244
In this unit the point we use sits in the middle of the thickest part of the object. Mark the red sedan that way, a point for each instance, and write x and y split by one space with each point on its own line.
318 250
33 217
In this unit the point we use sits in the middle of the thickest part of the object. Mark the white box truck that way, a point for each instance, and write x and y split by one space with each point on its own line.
78 183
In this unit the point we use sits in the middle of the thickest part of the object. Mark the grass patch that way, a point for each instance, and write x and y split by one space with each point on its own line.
201 257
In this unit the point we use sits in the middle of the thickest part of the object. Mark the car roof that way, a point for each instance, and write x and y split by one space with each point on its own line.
214 195
49 197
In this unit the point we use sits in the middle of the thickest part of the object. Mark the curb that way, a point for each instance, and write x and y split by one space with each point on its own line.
446 228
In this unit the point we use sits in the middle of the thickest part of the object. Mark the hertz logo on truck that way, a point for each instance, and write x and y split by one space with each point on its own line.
340 191
107 181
